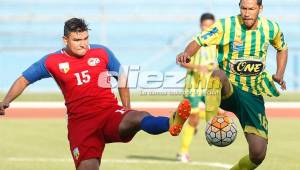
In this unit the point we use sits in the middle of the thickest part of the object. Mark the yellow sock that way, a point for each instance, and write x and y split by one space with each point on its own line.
202 114
244 164
187 137
213 97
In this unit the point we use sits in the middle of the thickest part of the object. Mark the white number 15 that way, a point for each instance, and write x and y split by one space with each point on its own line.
82 77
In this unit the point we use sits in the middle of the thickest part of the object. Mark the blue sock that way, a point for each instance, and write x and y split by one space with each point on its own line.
155 125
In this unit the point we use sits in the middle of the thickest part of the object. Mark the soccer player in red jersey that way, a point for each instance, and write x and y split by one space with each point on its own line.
94 116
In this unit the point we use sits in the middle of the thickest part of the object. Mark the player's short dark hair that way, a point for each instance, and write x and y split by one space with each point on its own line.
75 25
259 2
207 16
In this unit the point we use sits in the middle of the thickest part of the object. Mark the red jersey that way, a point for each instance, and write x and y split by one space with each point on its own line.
78 78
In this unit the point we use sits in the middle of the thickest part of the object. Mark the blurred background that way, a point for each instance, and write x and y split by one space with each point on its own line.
139 32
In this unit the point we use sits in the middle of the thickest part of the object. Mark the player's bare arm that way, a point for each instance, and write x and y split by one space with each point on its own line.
189 51
16 89
124 91
281 65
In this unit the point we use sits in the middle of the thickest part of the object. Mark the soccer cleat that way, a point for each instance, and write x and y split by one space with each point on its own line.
179 117
185 158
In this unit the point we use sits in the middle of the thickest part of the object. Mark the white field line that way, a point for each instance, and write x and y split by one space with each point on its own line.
124 161
57 105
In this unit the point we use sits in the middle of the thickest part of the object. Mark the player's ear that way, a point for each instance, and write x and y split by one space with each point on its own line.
65 39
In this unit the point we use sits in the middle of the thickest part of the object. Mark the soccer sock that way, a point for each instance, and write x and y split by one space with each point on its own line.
213 97
244 164
155 125
187 137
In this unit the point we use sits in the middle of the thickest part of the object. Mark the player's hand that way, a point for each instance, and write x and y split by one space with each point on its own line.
183 58
280 81
3 106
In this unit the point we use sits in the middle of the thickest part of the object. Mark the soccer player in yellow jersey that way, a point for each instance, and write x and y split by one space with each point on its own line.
199 69
241 80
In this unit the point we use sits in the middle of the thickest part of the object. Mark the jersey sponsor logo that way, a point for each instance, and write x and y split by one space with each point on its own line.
248 67
64 67
93 61
210 33
76 153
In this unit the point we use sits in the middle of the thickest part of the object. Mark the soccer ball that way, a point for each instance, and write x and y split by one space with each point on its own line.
221 131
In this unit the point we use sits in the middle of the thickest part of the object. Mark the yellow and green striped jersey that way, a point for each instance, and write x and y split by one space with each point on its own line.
242 53
205 56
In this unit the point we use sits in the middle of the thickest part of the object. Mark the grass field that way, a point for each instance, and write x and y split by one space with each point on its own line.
41 144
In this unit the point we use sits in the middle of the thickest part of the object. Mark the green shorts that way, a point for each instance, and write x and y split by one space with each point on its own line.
249 109
195 101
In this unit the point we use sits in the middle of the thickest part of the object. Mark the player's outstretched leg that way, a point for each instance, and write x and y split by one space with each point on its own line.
257 153
179 117
218 86
135 121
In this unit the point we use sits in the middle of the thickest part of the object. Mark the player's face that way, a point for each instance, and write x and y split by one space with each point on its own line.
77 43
206 23
249 12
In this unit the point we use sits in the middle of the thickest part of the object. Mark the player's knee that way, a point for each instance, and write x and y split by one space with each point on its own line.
193 120
218 73
223 79
257 155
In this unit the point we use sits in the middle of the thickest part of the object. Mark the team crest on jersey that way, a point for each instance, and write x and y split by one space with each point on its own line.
64 67
76 153
237 45
93 61
248 67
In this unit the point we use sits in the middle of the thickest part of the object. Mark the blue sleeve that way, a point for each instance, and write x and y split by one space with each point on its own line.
36 71
113 62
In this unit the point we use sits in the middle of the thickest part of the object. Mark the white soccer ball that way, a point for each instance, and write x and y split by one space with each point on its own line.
221 131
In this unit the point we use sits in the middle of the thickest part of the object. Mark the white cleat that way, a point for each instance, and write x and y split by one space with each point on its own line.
185 158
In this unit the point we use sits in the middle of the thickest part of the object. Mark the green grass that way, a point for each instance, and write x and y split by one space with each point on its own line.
38 97
287 96
47 139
